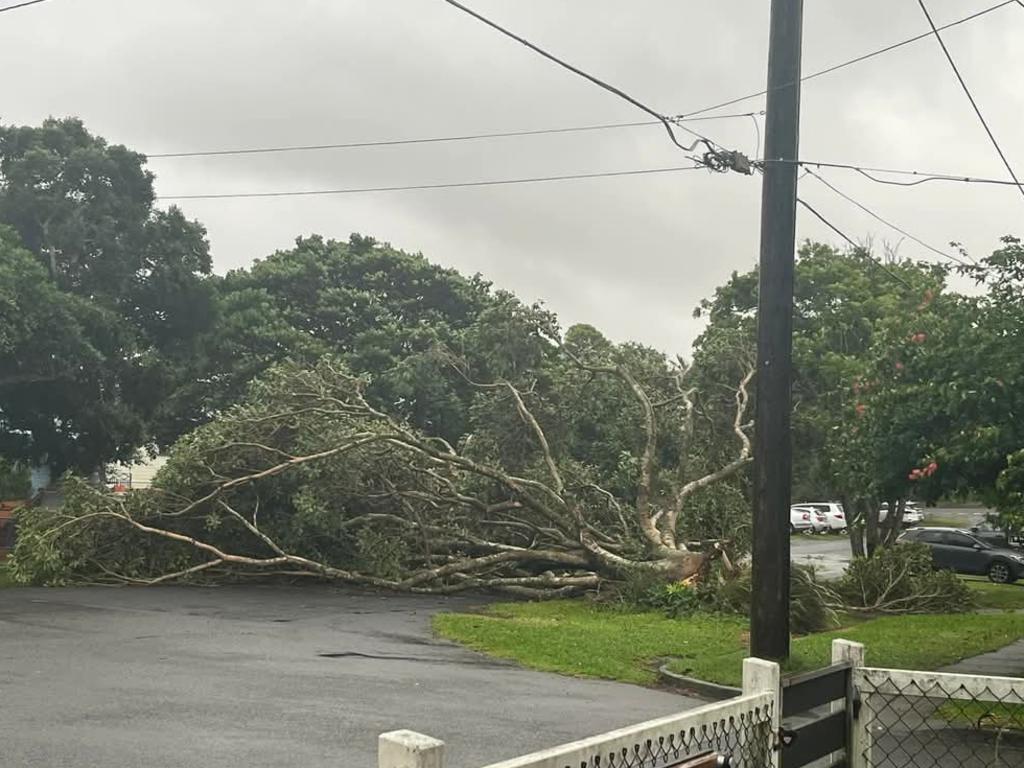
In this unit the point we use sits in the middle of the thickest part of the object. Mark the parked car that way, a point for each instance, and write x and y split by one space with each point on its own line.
819 521
996 536
912 514
959 551
832 512
800 520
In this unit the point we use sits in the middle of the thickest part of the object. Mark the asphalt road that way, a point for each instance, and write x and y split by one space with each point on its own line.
830 554
178 677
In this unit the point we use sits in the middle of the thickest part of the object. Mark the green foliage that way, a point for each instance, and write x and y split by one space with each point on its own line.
15 480
902 579
53 549
1009 496
893 376
674 600
5 576
381 311
102 300
812 602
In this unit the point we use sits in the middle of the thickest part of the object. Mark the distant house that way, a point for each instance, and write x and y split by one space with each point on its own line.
139 474
42 477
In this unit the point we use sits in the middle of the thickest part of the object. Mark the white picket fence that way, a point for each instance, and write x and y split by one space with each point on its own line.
745 724
905 718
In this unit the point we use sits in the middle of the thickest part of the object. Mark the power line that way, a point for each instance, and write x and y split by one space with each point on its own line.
444 185
691 116
855 60
431 139
888 223
924 176
596 81
21 5
858 250
970 97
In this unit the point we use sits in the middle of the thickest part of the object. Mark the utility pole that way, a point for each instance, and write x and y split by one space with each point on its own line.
773 460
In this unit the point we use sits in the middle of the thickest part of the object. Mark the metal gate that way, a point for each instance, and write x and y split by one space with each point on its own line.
817 717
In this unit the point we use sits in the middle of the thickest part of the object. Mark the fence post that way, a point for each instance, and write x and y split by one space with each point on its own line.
760 676
859 738
408 749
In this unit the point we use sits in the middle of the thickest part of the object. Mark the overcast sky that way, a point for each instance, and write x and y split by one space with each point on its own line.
631 255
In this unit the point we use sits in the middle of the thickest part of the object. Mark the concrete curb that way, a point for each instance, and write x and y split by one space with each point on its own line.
702 688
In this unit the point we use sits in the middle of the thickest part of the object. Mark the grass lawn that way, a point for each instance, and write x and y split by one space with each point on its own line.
578 638
1007 597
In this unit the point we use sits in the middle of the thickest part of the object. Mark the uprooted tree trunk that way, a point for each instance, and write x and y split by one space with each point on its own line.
463 521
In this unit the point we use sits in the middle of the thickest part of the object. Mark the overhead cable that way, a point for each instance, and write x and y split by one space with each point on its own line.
20 5
596 81
922 177
431 139
858 250
970 97
850 62
877 217
444 185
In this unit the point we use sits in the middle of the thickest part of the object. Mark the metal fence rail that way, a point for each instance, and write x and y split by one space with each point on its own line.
914 719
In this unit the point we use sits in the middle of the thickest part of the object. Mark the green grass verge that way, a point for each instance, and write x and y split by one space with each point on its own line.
578 638
939 521
1006 597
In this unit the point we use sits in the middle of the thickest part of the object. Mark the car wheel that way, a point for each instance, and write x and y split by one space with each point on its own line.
792 529
842 531
999 573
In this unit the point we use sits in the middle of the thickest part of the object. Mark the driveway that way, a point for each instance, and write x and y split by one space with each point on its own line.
176 677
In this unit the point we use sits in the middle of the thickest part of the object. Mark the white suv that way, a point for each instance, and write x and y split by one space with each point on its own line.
835 516
801 520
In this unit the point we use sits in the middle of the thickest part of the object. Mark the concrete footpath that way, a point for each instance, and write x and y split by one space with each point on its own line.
1006 662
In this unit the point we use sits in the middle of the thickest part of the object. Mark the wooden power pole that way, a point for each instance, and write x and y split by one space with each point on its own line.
773 461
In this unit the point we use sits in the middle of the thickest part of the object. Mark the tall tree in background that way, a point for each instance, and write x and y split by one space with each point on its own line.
846 312
135 279
383 312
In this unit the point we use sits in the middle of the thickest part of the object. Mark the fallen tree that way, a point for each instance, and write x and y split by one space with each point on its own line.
308 479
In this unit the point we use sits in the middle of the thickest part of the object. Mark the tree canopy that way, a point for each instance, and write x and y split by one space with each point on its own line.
104 314
900 385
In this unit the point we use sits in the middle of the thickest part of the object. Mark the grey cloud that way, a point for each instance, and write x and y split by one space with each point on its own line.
632 256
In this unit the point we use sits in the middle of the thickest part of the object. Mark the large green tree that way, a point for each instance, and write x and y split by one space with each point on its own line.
136 279
384 312
902 388
847 309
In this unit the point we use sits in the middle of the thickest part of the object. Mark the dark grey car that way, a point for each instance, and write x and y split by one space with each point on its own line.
959 551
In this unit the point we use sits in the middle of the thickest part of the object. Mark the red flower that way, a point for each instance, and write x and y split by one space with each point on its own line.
861 409
899 366
919 337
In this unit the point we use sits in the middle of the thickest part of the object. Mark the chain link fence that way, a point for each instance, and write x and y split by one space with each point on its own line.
931 720
744 739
